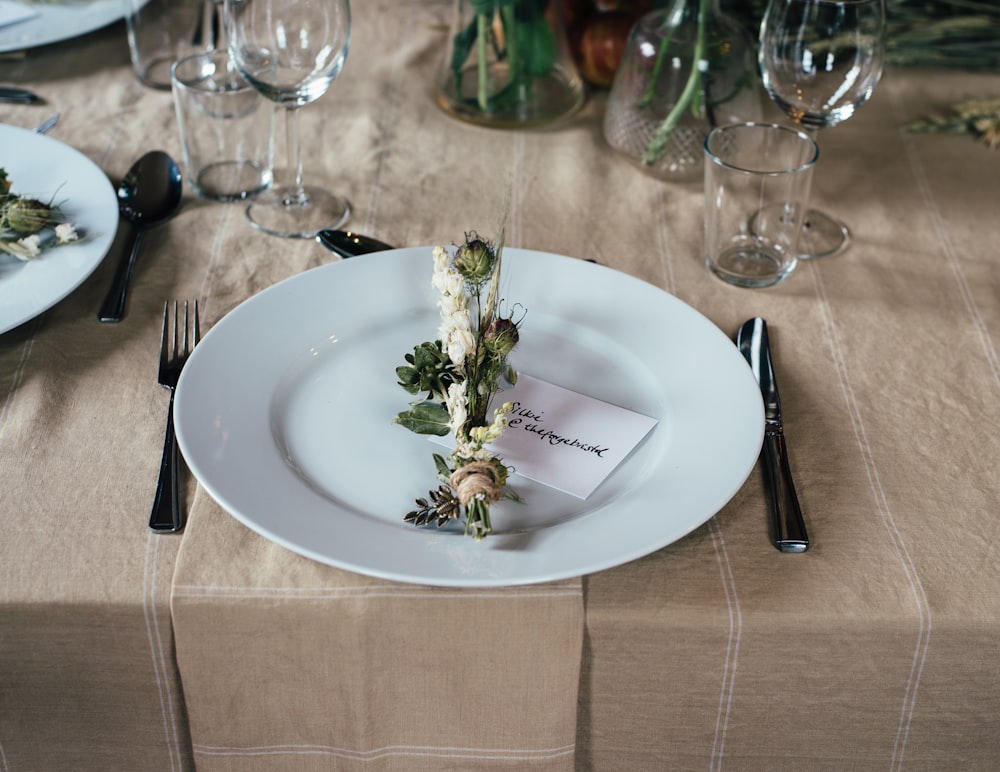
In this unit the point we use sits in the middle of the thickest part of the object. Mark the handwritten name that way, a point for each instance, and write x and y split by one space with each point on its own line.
521 414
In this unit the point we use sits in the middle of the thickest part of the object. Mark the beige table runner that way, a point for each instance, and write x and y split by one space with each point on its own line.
289 662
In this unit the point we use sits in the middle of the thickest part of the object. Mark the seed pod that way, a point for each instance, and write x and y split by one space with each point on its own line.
26 215
501 336
474 259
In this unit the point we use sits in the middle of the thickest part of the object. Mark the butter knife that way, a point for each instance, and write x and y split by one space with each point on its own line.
789 529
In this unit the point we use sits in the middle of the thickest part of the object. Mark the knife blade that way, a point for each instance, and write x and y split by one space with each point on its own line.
349 244
788 527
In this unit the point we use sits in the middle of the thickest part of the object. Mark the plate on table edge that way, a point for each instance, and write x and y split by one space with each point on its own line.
58 21
45 168
283 414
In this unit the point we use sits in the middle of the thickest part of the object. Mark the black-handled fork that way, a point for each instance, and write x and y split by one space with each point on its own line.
167 516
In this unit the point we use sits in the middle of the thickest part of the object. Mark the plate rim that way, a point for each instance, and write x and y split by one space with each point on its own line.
100 246
88 17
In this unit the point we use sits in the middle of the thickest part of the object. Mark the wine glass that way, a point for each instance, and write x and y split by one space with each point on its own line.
820 61
291 51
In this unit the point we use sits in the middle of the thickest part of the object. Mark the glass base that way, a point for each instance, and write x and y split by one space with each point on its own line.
750 265
552 98
231 180
822 236
290 213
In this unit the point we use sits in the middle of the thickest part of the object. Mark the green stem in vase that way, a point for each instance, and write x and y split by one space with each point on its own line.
689 97
482 42
515 67
661 57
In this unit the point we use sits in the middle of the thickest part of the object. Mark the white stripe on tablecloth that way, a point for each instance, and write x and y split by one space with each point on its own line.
917 168
161 671
663 239
732 645
372 591
895 537
386 123
373 754
513 232
3 760
217 252
15 379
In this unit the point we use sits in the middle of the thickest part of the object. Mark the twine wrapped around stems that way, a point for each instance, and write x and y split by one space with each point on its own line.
476 479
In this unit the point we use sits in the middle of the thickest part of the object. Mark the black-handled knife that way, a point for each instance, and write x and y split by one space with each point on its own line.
350 244
789 529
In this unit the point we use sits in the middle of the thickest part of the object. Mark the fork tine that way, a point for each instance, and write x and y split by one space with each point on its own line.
184 352
197 327
164 351
173 347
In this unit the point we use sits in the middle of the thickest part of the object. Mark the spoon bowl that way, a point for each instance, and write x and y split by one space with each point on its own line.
149 195
349 244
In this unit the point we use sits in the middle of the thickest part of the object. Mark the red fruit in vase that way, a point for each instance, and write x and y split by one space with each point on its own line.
601 45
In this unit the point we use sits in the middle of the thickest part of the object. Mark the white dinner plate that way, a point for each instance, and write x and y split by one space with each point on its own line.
46 169
284 414
58 21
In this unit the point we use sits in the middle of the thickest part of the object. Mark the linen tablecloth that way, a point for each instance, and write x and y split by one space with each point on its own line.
876 649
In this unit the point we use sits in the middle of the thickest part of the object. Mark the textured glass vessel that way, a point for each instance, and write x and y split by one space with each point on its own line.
508 64
687 68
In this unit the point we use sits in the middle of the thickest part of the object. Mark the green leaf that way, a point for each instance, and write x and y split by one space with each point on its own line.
487 7
537 45
425 418
443 469
426 355
465 39
530 10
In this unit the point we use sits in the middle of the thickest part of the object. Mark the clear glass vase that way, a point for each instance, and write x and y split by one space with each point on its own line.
508 64
686 69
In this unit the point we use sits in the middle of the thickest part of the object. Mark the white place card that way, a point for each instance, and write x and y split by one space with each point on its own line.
12 12
563 439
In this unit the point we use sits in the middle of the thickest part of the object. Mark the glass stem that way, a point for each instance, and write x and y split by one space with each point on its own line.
297 195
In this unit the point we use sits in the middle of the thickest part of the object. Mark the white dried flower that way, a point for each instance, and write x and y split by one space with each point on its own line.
460 343
451 304
455 284
66 232
27 248
441 259
442 267
457 404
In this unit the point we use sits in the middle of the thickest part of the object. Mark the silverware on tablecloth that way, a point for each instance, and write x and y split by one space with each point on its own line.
149 195
789 529
20 96
167 515
350 244
46 126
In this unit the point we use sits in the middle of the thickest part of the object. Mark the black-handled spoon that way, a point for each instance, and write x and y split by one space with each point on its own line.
21 96
148 196
349 244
